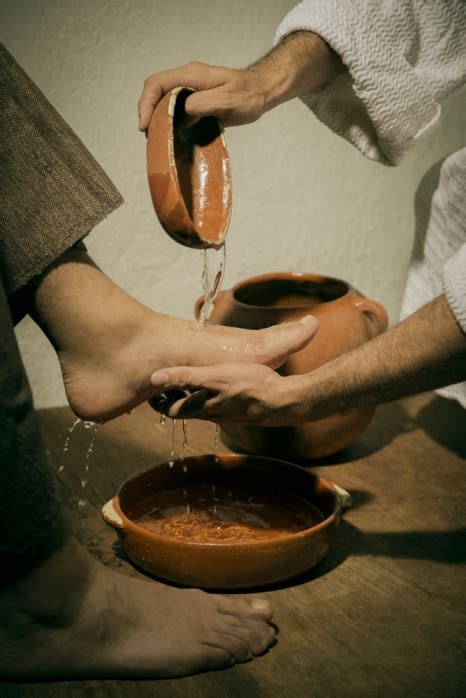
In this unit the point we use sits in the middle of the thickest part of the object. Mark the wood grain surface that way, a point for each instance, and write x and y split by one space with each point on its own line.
383 615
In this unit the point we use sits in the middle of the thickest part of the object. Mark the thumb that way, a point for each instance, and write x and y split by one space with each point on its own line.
181 378
206 103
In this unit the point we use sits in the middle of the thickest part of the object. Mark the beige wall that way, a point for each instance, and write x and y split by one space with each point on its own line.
303 198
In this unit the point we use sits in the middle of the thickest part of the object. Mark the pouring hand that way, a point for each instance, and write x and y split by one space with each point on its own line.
233 96
300 63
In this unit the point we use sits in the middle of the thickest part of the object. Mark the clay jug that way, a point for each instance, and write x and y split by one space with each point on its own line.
347 319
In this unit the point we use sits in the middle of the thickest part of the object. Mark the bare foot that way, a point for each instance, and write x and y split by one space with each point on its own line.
109 344
107 376
73 618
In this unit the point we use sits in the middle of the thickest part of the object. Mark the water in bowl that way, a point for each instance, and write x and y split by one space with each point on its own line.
226 513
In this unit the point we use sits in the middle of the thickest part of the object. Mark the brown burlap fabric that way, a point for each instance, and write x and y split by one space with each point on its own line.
52 193
52 190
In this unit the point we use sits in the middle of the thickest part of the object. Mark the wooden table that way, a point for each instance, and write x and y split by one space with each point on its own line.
383 615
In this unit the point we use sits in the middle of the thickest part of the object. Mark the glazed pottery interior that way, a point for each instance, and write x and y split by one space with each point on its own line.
204 194
289 293
229 562
189 175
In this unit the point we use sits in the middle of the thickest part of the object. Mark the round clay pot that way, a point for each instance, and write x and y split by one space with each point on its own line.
232 564
347 319
189 174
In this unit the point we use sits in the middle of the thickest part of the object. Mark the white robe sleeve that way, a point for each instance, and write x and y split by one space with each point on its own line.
403 59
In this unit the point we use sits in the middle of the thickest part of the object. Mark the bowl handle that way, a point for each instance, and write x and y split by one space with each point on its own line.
344 498
111 514
198 306
375 313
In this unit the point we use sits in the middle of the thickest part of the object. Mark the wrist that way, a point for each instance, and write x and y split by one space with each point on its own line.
293 395
274 83
316 395
299 64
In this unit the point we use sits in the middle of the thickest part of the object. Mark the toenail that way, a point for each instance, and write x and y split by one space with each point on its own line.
260 604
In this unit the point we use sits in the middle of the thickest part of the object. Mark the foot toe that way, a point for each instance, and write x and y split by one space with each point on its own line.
258 634
236 646
258 609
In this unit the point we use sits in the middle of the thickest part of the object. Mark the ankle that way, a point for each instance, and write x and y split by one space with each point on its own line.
52 592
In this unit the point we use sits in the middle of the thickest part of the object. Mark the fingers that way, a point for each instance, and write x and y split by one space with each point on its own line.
184 378
161 401
174 402
214 102
193 406
198 76
155 87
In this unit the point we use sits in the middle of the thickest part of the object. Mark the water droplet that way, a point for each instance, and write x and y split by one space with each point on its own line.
90 450
171 461
61 468
211 288
69 431
216 441
163 419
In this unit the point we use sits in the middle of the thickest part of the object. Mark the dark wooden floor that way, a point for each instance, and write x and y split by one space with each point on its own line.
384 615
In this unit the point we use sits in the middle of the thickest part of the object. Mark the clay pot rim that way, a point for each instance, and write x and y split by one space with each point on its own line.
287 276
202 242
245 545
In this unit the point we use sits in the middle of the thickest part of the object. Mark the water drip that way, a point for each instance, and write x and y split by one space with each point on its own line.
211 287
90 450
171 461
69 432
216 440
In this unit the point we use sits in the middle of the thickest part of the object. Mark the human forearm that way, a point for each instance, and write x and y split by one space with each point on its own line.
299 64
424 352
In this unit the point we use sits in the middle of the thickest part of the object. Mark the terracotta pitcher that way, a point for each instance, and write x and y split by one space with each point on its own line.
347 319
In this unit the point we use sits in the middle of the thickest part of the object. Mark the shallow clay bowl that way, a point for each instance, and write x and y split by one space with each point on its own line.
232 564
189 174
